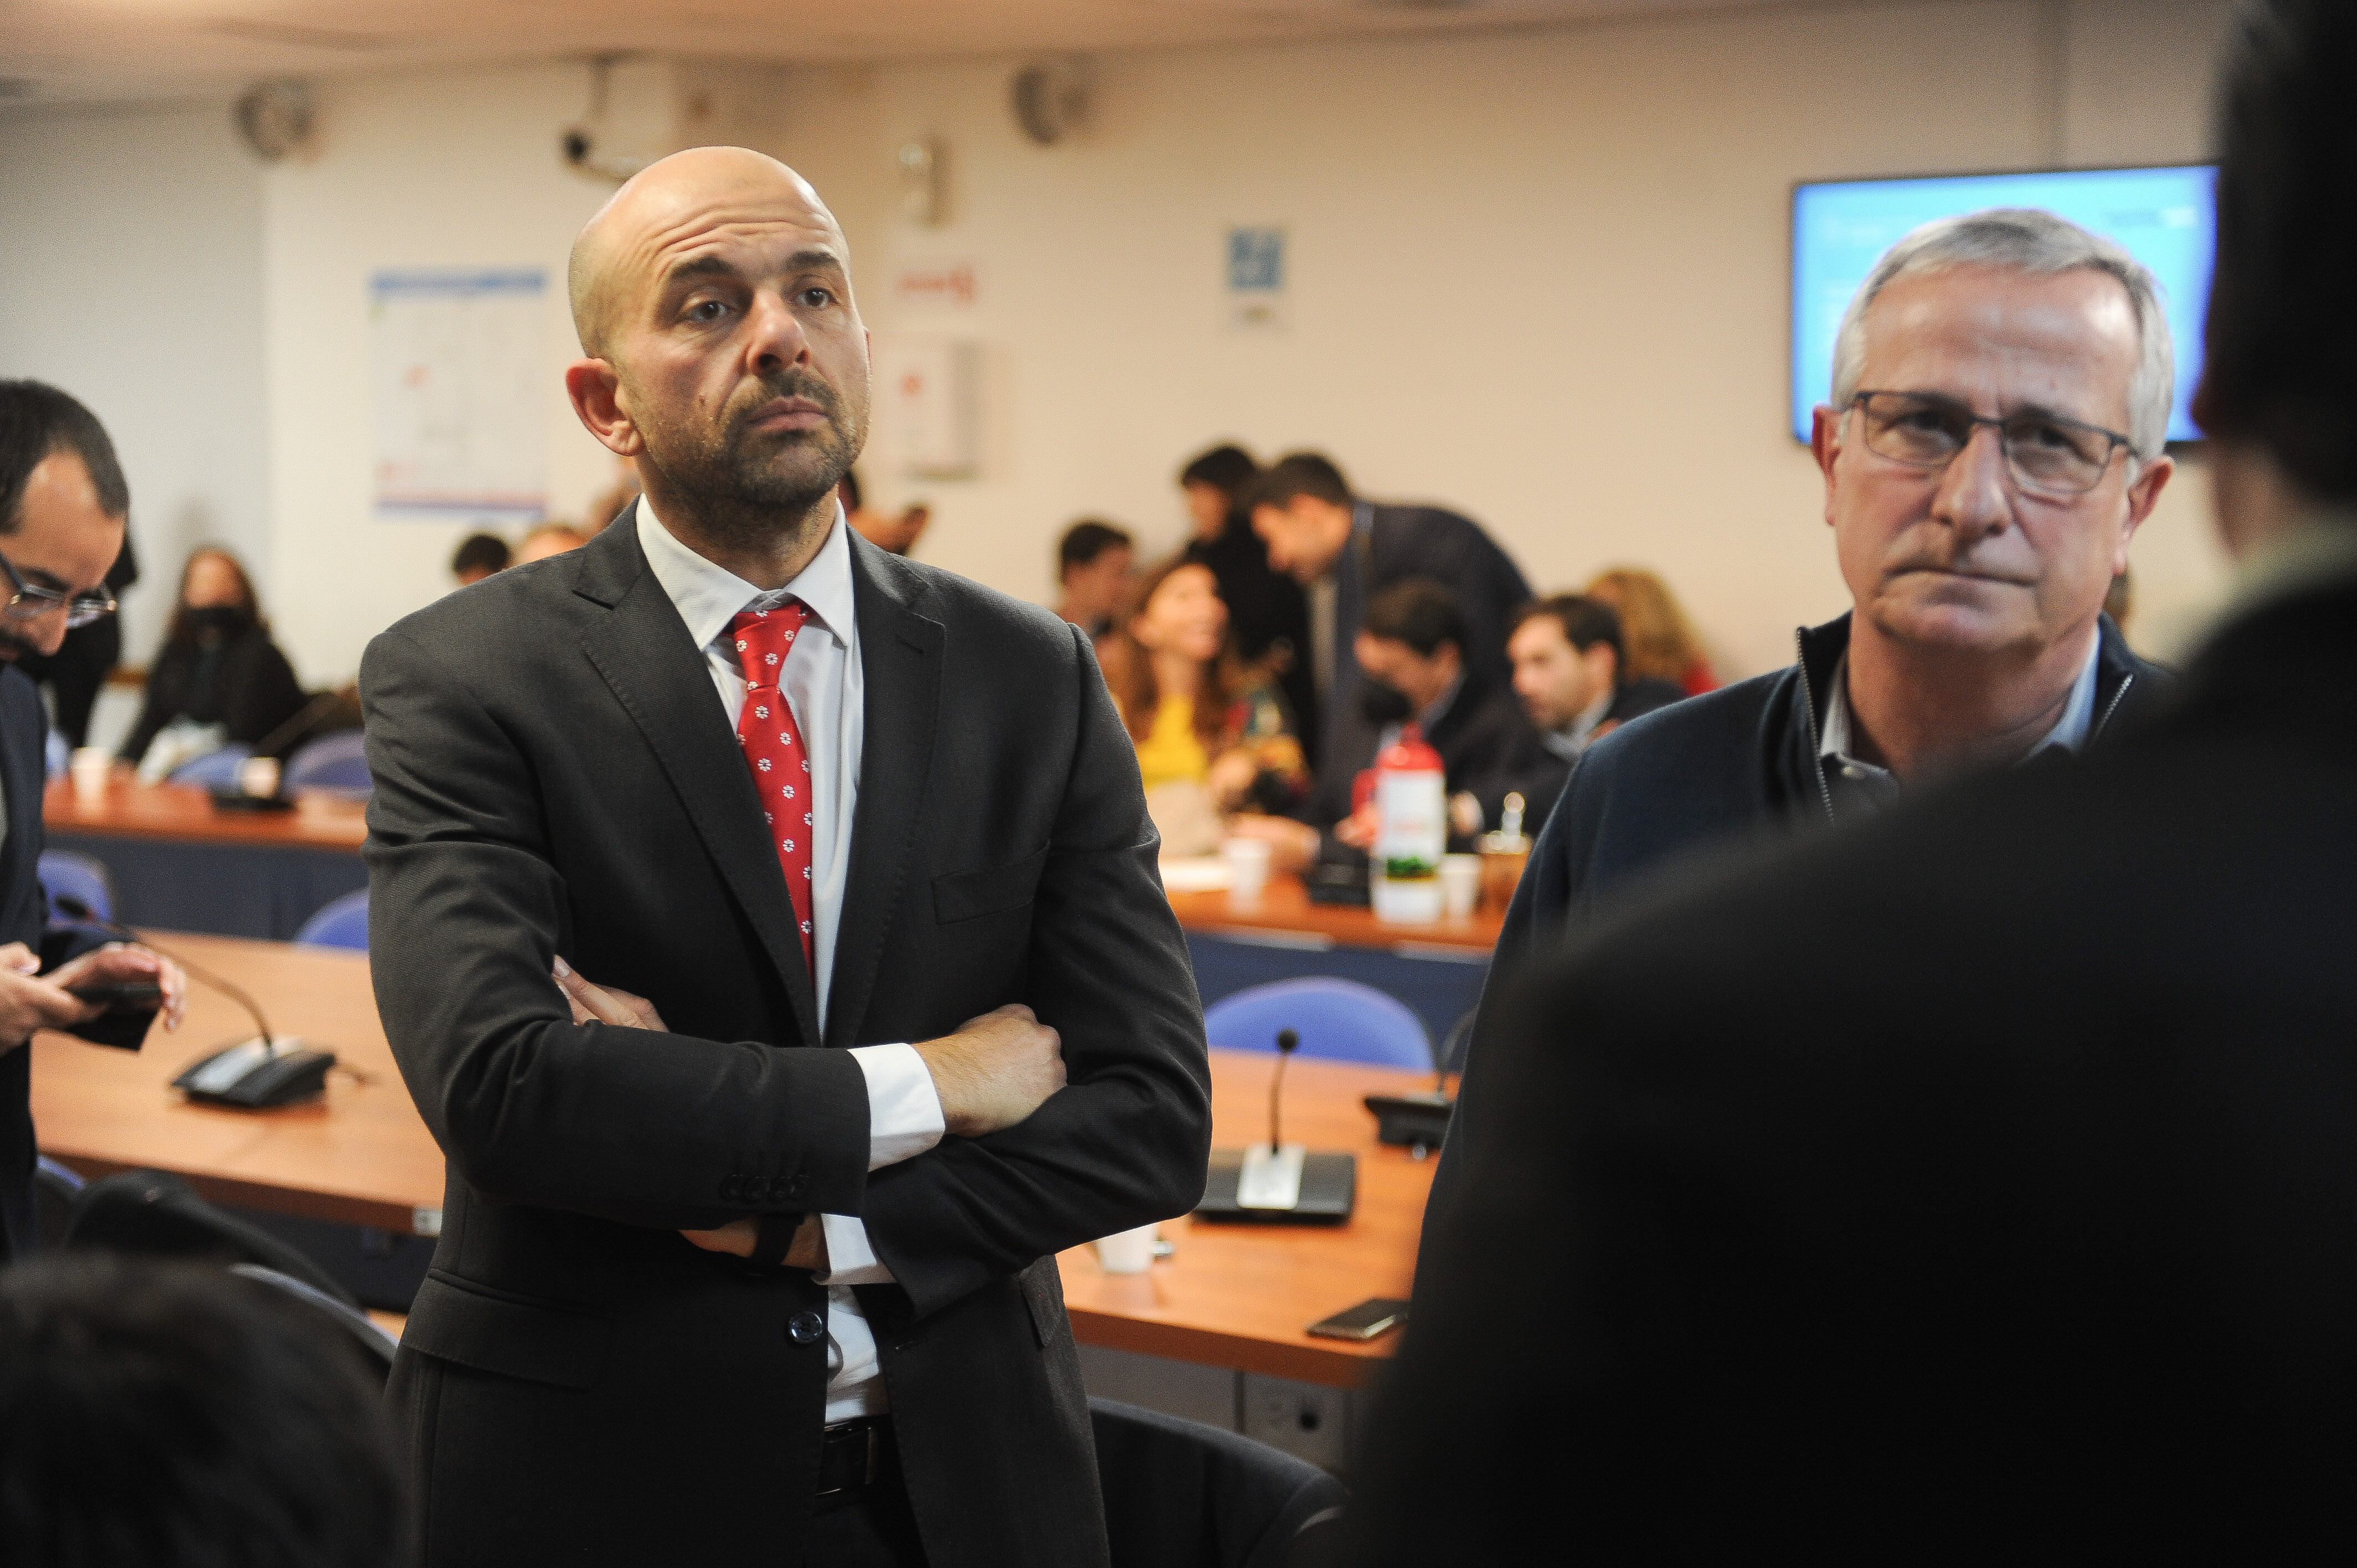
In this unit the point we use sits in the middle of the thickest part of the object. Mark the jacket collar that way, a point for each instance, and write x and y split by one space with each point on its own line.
2124 685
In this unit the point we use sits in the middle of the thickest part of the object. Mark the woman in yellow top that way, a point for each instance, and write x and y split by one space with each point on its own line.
1198 714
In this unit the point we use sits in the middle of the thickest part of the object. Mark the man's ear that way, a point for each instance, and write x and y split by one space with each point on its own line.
1825 443
597 394
2141 496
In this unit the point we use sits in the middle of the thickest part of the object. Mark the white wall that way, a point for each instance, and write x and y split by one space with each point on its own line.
1539 275
131 275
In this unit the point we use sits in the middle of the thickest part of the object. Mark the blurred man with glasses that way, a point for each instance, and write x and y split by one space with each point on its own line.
63 504
2002 384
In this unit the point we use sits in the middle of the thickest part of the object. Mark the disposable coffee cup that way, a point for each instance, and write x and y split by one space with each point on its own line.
258 777
90 768
1460 884
1247 868
1130 1253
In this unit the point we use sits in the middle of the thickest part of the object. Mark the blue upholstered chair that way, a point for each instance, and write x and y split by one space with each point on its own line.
214 769
335 761
340 923
65 874
1337 1019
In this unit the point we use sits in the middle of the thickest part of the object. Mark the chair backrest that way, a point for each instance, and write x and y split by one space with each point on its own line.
340 923
376 1347
64 874
56 1189
1180 1494
214 769
152 1213
337 762
1339 1019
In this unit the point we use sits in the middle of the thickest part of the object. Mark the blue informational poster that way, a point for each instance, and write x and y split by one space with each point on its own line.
2166 217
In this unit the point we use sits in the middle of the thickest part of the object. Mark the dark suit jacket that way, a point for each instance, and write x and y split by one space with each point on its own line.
555 775
1268 616
1405 542
24 917
1975 1176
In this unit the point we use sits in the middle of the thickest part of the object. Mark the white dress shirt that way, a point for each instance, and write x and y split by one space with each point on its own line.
823 681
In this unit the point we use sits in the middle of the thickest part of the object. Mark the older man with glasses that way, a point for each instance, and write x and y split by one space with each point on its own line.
2002 385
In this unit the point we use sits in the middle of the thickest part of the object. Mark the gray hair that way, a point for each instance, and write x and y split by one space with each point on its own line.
2025 239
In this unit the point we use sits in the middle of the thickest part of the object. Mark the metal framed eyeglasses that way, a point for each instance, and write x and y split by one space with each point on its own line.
31 601
2047 454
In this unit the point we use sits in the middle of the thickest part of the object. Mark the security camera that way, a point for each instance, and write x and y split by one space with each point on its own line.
578 147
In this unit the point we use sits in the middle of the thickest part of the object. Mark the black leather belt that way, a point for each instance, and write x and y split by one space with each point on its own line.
854 1455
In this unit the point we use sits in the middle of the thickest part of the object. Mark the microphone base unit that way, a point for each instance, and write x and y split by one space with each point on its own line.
1419 1121
1289 1186
252 1075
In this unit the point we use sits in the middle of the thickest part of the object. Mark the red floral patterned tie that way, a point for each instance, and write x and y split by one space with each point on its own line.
772 744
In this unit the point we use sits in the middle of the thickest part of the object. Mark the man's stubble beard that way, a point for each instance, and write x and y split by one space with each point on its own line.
741 491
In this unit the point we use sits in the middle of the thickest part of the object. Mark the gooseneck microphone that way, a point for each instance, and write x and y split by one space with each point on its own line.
250 1075
81 913
1287 1042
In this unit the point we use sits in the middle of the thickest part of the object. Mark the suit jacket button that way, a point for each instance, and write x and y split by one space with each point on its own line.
806 1328
731 1188
797 1189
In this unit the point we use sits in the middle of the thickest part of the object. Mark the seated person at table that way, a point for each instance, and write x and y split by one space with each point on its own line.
1094 561
1268 614
1410 651
549 539
1658 640
1212 733
218 667
1567 672
480 555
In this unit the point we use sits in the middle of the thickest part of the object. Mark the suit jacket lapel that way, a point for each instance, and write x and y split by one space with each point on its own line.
660 678
900 658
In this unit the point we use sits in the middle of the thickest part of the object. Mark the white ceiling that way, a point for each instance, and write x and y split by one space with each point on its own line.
101 50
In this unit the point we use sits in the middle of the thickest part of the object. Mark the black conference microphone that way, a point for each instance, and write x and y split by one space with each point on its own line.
252 1075
1276 1180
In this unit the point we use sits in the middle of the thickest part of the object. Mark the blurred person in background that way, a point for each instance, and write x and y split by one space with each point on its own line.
1096 564
549 539
898 534
1344 550
1268 615
1659 641
218 667
173 1416
613 500
478 556
1569 676
1211 731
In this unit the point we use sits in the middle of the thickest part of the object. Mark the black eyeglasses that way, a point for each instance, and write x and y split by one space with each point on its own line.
2047 454
31 601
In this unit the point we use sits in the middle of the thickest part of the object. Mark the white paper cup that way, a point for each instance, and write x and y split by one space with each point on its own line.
1460 884
258 777
1247 868
1130 1253
90 768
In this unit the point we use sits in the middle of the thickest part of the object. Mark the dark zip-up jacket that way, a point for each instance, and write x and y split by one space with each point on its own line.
1717 771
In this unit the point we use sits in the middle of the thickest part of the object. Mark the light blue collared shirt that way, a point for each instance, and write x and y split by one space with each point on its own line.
2069 732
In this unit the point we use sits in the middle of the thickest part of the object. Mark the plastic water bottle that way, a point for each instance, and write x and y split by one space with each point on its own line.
1411 831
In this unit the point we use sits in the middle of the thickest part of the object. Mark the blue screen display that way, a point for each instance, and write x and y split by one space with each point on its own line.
2166 217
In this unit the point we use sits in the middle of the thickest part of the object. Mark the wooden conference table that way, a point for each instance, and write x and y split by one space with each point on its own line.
179 864
1230 1296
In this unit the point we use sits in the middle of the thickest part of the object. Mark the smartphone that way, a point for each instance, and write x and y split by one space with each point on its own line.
1371 1319
125 993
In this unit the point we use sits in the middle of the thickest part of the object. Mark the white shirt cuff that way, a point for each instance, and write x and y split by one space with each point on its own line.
850 1261
904 1110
